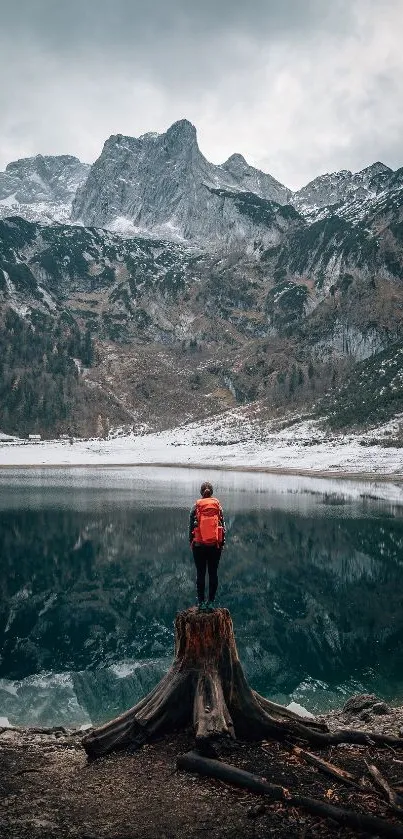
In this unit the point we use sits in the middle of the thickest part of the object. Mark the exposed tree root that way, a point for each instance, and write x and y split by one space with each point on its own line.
382 784
193 762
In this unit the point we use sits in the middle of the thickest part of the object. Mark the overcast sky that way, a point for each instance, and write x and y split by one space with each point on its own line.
299 87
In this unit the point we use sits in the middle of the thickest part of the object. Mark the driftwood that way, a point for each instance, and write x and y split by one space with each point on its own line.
392 796
375 826
206 686
329 768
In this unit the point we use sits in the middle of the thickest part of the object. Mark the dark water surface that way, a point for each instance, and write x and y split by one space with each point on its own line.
95 563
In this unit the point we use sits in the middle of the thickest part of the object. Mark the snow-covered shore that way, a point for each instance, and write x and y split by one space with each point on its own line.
227 441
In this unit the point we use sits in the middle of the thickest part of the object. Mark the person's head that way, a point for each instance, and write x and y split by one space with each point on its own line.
206 489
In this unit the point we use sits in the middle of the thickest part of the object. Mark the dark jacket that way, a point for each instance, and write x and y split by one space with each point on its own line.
193 523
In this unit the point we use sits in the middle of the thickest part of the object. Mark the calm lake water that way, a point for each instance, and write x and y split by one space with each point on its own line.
95 564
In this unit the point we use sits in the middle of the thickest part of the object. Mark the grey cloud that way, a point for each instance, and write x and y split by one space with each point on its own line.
297 87
65 24
178 42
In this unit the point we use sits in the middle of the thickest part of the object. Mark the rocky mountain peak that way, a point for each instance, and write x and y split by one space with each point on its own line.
180 135
48 162
247 178
377 168
49 167
235 160
163 186
373 177
35 186
180 140
182 130
160 184
343 188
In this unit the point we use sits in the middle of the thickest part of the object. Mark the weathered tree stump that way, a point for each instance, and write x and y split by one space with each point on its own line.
206 686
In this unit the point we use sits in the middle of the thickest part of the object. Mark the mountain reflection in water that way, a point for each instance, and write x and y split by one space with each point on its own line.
94 566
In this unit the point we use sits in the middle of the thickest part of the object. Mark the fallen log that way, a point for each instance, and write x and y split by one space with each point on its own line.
328 768
375 826
392 797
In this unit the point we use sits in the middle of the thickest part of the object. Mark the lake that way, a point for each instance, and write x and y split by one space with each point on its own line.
95 563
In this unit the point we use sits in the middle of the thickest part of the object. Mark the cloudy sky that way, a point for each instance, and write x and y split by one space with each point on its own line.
299 87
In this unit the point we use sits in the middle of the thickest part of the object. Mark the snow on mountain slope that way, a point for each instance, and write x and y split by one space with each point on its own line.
41 188
346 194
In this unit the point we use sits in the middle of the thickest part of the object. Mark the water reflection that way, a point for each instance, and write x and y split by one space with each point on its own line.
95 565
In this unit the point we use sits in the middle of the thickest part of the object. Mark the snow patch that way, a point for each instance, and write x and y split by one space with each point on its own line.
234 439
299 709
10 201
47 298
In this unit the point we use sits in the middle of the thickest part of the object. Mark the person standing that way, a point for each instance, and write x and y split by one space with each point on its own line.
207 539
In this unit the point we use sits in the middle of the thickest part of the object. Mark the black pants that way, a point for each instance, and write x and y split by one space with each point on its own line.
206 557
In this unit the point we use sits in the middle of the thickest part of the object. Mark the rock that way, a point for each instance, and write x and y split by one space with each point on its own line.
299 709
255 810
365 716
359 702
381 708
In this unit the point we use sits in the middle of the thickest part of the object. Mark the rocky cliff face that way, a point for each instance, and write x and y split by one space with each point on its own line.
175 334
41 188
161 185
248 179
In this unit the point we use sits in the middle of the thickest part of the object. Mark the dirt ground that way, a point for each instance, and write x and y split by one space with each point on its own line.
50 790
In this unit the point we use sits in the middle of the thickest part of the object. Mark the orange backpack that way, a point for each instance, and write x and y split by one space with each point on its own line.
209 530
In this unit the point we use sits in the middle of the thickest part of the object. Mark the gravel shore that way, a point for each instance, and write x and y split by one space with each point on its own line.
49 790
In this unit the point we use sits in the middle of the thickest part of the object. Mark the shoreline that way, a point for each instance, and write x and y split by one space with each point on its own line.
384 477
50 788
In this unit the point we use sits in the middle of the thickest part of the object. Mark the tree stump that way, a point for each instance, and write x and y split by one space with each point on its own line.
205 686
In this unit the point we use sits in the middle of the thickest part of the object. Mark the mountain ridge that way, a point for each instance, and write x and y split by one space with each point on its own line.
156 184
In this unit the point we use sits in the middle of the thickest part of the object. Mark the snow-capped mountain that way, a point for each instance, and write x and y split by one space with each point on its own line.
161 184
346 194
41 188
